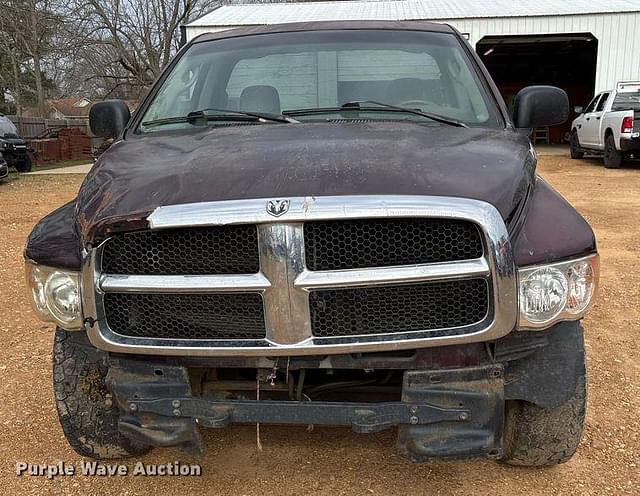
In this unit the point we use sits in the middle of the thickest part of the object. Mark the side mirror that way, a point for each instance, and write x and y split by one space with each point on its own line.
578 110
540 106
108 119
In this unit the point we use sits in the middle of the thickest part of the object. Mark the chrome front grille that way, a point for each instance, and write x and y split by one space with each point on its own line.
365 298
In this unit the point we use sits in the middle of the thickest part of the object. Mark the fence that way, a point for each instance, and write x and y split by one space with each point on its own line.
33 127
70 144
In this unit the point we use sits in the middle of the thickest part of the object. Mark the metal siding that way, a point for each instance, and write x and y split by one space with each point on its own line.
618 38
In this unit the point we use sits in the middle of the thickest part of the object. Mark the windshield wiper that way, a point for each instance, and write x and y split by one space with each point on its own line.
358 106
220 115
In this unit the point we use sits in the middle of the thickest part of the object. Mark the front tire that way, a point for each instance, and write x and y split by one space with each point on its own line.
87 414
612 156
25 166
537 437
574 146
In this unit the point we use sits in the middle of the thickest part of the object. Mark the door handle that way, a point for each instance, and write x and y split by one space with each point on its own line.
588 118
598 118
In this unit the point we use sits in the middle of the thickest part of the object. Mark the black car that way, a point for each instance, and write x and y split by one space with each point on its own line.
328 223
13 148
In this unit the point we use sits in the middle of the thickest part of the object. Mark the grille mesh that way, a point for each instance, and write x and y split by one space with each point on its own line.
396 309
207 250
186 316
351 244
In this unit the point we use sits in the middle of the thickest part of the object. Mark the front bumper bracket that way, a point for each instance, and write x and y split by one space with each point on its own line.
443 413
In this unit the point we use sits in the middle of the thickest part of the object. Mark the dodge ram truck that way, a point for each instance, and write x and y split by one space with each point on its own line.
332 223
610 124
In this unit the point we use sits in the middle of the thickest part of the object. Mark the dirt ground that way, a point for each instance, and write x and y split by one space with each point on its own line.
336 461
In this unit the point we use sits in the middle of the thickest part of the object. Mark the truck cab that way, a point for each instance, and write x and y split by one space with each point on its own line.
332 223
609 124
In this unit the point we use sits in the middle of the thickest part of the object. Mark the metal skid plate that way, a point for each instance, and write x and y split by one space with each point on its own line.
478 390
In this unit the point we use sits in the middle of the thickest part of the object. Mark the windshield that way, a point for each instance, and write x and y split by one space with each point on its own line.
7 128
288 72
626 101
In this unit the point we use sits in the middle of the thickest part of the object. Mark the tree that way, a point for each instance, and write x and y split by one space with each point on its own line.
26 30
126 43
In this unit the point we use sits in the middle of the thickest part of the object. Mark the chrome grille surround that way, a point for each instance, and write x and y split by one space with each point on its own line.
284 281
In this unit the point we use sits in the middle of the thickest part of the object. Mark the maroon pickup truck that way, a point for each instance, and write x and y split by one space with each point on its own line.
330 223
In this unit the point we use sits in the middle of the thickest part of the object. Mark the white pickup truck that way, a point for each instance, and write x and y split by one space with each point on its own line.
610 124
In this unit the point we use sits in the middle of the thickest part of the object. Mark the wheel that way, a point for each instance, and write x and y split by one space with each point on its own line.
88 417
25 166
574 145
612 157
535 437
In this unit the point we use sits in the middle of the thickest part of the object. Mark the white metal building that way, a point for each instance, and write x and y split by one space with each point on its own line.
513 27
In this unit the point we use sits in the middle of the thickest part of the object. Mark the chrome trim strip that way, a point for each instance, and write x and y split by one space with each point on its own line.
376 276
89 287
286 307
307 208
282 264
110 283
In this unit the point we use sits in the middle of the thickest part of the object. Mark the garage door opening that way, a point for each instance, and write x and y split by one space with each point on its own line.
565 60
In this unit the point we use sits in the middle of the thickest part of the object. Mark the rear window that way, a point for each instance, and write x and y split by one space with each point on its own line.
312 79
7 128
626 101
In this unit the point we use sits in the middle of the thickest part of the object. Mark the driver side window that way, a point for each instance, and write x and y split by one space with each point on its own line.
603 102
592 104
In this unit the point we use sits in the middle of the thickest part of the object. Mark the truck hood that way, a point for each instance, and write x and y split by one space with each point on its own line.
141 173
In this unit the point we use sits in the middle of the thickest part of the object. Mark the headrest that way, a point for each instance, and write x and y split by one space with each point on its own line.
260 99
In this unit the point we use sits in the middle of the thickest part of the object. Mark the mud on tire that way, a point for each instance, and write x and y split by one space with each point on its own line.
87 414
536 437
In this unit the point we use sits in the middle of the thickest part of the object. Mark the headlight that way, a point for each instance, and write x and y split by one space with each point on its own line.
55 295
560 291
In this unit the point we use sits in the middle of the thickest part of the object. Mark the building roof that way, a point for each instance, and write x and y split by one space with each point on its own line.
273 13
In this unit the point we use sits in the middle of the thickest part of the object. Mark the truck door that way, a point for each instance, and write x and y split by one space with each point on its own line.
589 125
598 137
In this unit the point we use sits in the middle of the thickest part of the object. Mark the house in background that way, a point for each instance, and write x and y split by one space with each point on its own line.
71 108
63 108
